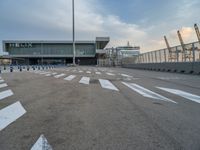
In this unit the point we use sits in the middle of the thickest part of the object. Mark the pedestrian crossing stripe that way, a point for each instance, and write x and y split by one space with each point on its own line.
85 80
10 114
69 78
5 94
107 85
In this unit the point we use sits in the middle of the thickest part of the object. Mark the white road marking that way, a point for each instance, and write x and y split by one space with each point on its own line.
98 73
3 85
107 85
85 80
10 114
147 93
5 94
110 74
60 75
54 73
44 73
1 81
73 70
88 72
48 75
69 78
80 71
183 94
42 144
125 75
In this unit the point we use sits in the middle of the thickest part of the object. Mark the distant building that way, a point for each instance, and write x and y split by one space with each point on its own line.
54 52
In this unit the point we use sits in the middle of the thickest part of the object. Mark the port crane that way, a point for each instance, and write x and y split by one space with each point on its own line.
186 53
172 54
197 32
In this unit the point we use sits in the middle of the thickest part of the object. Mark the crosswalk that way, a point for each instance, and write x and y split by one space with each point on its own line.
108 85
12 112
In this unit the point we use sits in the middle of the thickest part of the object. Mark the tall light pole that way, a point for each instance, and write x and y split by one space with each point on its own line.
73 33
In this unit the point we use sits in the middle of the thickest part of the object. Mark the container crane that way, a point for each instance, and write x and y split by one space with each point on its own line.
197 32
185 54
170 56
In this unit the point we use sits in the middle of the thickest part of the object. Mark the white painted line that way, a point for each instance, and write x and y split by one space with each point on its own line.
48 75
183 94
54 73
11 113
107 85
125 75
44 73
5 94
1 81
60 75
88 72
110 74
73 70
3 85
42 144
147 93
80 71
69 78
85 80
98 73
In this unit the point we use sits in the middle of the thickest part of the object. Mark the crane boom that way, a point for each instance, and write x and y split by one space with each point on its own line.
197 32
167 44
181 40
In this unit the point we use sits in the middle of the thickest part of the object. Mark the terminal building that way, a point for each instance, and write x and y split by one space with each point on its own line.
54 52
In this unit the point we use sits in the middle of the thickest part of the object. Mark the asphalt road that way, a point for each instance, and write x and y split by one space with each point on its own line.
111 109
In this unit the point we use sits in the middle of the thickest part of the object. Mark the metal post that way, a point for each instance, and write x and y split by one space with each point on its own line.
193 52
165 55
73 33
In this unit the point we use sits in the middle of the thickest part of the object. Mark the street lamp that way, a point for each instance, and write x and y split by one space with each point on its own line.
73 34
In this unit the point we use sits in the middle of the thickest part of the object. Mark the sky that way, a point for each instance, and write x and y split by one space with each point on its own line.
141 22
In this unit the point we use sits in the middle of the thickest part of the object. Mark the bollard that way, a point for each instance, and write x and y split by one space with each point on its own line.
20 69
4 67
11 69
27 68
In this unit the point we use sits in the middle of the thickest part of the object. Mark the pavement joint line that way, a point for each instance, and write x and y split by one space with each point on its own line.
146 93
10 114
181 93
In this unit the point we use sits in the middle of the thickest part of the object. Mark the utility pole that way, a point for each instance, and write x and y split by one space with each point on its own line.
73 34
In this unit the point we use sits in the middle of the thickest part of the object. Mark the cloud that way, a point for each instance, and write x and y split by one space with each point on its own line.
52 20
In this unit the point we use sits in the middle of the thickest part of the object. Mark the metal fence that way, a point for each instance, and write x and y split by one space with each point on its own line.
190 53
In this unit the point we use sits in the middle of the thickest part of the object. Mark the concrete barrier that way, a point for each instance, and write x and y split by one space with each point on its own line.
180 67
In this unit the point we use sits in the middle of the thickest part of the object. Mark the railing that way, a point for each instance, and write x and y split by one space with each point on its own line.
191 53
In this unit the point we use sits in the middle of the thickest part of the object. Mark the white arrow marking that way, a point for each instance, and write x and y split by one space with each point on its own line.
3 85
85 80
42 144
107 85
146 92
183 94
5 94
11 113
69 78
